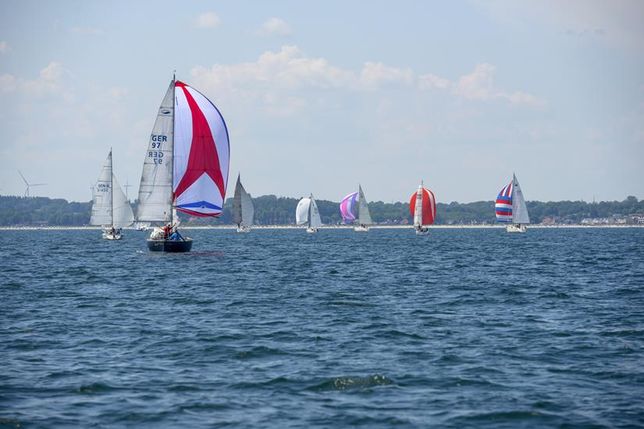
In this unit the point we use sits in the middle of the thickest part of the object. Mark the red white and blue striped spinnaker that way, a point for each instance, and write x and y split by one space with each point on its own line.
349 207
503 204
201 154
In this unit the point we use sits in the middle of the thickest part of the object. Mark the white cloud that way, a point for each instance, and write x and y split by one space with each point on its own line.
276 27
48 81
479 85
476 85
519 97
4 47
285 69
374 75
430 81
207 20
286 74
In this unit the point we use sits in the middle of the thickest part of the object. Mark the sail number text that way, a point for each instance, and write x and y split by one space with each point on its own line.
157 155
103 187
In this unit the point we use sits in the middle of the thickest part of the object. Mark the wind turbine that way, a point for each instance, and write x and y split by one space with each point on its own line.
29 185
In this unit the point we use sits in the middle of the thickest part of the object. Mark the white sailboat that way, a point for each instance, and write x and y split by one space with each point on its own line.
185 167
422 206
354 209
510 207
110 208
307 213
243 209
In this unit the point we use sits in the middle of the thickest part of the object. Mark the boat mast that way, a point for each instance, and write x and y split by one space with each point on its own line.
514 186
111 188
309 213
358 201
174 95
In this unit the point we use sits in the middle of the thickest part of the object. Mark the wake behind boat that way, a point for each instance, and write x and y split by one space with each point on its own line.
185 167
110 207
510 207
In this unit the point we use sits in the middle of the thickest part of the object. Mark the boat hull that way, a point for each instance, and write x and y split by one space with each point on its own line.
311 230
243 229
516 228
421 230
361 228
170 246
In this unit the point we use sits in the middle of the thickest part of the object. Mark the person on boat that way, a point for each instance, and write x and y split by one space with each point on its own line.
166 231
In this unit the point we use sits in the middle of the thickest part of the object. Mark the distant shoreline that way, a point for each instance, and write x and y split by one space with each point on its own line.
268 227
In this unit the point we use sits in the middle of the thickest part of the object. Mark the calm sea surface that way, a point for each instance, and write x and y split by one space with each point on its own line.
279 328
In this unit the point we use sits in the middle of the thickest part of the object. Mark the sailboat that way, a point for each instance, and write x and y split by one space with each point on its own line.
110 208
185 167
510 207
243 210
307 213
422 206
354 208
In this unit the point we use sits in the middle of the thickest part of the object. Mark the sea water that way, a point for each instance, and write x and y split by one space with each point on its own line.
280 328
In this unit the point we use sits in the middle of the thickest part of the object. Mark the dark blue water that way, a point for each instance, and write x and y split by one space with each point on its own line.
279 328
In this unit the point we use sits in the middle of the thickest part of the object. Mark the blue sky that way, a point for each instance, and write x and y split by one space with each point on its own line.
321 96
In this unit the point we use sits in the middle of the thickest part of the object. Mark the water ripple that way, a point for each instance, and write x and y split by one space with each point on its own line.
462 328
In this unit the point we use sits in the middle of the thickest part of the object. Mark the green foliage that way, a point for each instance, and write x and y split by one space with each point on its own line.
34 211
273 210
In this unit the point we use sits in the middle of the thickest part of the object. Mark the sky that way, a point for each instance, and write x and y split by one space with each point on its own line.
319 96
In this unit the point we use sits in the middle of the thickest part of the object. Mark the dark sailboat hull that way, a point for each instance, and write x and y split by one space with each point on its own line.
172 246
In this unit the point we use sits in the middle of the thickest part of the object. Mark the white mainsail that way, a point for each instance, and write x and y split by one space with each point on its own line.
155 191
364 217
102 199
519 208
418 209
243 209
122 214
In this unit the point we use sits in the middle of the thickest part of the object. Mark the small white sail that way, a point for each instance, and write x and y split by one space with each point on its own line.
155 191
302 211
364 217
519 208
121 209
314 215
102 201
243 209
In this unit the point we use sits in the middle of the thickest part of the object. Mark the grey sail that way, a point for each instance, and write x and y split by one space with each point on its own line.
519 209
122 211
155 190
314 214
102 198
243 209
248 210
364 217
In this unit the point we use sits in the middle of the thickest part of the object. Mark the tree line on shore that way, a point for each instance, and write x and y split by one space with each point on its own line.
273 210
